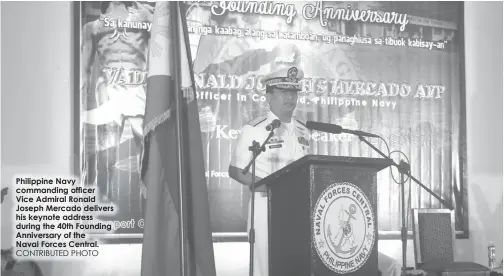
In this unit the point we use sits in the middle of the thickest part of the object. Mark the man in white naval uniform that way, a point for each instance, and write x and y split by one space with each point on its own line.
289 143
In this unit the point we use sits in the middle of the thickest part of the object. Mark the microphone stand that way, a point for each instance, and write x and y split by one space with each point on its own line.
404 169
256 150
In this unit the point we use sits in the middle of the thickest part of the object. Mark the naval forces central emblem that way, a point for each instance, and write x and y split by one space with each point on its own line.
343 227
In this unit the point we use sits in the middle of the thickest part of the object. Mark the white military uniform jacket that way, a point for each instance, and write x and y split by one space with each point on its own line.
290 142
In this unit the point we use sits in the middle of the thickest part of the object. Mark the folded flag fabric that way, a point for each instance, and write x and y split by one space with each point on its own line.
161 251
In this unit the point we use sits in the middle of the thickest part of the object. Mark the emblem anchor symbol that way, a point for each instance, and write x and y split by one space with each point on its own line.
347 230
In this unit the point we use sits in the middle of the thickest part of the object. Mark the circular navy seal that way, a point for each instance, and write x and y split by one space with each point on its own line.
343 227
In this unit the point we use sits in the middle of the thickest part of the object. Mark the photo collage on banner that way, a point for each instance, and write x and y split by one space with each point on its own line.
114 49
388 68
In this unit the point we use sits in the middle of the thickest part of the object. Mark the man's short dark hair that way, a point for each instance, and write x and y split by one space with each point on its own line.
106 4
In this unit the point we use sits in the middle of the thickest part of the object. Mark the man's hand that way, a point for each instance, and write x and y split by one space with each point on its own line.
262 188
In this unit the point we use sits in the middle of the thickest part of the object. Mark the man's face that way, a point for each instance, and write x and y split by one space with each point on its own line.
282 101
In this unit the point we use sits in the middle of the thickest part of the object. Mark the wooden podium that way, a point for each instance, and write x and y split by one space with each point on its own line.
322 216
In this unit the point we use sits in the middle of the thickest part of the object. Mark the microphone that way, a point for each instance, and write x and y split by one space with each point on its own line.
336 129
273 125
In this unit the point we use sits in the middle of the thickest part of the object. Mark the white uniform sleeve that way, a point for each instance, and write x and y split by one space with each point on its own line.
242 155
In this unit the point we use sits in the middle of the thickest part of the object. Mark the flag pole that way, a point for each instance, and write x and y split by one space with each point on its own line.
174 12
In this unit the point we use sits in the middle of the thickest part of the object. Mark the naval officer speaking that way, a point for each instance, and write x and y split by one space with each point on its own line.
289 143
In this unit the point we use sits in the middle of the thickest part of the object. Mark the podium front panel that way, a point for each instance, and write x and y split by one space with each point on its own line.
289 225
322 222
344 226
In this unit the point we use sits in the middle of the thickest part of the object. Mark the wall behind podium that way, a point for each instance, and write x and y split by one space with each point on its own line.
37 128
484 126
354 77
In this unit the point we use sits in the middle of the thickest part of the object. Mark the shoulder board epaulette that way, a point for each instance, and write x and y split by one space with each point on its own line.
299 121
258 120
